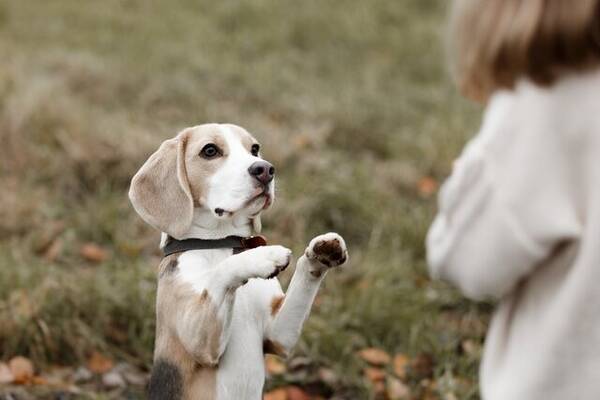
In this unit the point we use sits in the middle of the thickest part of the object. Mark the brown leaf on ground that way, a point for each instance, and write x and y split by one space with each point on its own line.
396 390
400 364
374 374
427 186
22 369
99 364
295 393
6 375
273 365
379 387
422 365
374 356
277 394
39 380
92 252
54 250
429 389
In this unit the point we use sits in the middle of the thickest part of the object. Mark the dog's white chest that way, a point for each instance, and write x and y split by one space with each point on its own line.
241 370
240 373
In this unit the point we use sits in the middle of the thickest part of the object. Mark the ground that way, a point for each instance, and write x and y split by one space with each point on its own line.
352 103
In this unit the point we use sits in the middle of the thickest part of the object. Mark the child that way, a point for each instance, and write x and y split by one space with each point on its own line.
519 219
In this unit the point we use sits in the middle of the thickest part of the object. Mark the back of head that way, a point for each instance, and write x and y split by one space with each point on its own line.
496 42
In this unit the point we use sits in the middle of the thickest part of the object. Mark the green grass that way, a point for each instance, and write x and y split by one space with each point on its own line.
352 103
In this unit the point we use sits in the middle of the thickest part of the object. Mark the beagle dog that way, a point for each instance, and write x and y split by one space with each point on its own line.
218 310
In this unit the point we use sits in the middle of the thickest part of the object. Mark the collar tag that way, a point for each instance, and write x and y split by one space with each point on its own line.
254 241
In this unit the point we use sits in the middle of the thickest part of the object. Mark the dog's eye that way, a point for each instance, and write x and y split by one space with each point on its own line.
255 149
210 151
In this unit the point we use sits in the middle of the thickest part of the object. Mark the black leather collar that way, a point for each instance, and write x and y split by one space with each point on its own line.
237 243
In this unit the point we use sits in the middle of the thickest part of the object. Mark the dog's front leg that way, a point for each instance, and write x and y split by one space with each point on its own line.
323 252
204 319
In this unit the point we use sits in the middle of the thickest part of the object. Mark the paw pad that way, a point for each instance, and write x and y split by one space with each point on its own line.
329 252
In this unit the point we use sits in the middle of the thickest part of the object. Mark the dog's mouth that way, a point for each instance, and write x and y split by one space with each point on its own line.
259 194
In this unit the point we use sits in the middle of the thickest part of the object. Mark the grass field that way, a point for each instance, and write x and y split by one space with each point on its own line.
352 103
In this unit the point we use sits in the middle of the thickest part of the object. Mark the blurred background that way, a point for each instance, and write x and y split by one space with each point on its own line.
353 105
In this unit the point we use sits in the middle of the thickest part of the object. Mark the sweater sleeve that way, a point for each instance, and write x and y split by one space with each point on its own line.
503 209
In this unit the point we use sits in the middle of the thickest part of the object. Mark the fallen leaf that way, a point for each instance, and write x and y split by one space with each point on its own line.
92 252
422 365
396 390
430 389
39 380
374 374
21 368
50 233
400 363
374 356
99 364
273 365
295 393
54 250
6 375
277 394
427 186
379 387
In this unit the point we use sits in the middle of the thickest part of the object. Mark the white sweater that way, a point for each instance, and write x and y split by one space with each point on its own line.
519 221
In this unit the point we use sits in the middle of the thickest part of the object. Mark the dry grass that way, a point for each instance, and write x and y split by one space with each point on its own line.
352 104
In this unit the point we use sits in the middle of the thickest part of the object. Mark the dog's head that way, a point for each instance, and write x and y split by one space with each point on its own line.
216 167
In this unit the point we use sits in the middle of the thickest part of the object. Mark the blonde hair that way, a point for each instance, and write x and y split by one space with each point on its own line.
496 42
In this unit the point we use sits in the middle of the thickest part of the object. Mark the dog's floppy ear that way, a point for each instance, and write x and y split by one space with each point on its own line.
160 192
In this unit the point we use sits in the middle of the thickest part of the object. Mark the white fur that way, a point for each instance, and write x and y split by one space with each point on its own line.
231 186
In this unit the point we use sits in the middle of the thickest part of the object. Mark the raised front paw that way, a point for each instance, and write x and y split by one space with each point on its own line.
267 261
328 250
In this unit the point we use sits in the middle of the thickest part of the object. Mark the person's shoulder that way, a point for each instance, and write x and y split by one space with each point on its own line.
570 104
575 93
583 86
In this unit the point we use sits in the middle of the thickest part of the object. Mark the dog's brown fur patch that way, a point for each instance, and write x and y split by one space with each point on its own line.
195 362
198 170
168 265
276 304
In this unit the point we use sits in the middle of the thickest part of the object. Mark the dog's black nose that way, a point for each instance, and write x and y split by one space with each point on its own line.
262 171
